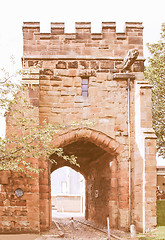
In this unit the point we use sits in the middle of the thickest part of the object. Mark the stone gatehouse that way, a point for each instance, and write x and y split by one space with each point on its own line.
81 78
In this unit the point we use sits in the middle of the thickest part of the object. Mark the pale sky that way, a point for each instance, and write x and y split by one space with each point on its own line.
14 13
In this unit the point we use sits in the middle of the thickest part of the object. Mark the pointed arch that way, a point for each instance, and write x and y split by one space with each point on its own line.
98 138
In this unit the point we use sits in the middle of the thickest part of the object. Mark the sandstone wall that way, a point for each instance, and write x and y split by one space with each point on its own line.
63 61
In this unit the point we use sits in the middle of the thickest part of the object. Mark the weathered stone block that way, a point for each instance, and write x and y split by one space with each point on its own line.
84 64
73 64
72 73
46 71
67 82
107 64
61 65
95 65
135 40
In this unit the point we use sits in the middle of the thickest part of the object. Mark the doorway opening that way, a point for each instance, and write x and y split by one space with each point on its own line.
94 165
67 193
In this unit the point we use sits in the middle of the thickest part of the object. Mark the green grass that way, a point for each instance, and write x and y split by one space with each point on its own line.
161 213
158 233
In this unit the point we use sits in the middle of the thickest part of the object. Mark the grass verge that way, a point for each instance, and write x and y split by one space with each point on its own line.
157 233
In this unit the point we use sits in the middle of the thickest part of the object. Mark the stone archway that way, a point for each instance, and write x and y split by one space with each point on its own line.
95 151
98 138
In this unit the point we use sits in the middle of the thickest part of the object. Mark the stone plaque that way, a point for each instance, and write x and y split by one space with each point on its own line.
19 192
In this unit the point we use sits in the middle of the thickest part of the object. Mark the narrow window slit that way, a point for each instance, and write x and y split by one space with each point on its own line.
85 82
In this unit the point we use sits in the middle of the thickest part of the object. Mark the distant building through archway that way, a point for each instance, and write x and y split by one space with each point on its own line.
67 191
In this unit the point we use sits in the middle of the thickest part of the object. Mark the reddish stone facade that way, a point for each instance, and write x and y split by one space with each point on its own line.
81 78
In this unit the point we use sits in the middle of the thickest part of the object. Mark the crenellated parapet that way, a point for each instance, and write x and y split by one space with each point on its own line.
83 42
59 27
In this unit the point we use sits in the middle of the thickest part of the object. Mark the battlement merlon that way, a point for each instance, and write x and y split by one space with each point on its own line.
106 43
84 26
